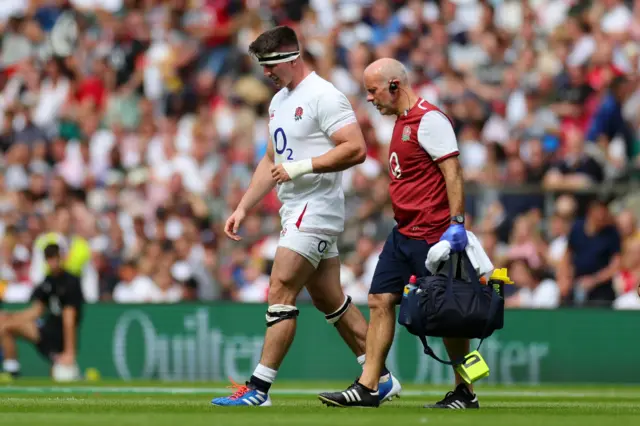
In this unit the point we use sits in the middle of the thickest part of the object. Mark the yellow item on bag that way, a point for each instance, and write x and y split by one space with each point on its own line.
475 367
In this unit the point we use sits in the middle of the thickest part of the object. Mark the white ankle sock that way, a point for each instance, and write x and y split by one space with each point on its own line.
361 359
11 365
265 373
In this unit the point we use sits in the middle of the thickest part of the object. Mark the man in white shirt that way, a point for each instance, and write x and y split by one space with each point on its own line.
535 292
314 136
133 288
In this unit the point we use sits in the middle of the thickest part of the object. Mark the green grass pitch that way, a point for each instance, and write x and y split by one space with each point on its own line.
112 403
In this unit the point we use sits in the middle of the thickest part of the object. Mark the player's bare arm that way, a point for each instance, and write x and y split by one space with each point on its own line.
452 172
336 121
349 151
261 184
69 318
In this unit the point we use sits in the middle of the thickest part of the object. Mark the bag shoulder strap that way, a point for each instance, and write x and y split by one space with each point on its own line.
471 271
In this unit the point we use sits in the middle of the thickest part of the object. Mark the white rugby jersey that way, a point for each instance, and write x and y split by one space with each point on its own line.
301 122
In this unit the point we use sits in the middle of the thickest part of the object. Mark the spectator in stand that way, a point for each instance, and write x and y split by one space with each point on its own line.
534 291
592 259
627 281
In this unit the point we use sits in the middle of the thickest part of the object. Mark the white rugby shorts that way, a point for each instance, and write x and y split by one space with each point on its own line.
312 246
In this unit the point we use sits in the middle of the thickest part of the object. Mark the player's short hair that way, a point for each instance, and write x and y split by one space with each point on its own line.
269 45
51 251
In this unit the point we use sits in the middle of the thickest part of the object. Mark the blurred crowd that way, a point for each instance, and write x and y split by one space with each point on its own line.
129 130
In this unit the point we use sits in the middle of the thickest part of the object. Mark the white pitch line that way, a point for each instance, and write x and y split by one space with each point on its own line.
291 392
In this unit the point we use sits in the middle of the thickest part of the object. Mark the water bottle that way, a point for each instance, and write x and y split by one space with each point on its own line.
498 279
404 316
411 287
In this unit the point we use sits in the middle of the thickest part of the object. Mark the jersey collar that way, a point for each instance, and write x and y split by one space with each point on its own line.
408 112
302 82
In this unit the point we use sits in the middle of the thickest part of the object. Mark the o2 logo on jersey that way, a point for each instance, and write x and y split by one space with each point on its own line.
280 143
394 165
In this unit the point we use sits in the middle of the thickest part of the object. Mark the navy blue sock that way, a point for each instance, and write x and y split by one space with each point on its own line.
260 384
384 371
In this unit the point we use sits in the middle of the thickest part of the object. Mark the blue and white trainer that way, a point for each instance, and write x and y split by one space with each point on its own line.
389 387
245 395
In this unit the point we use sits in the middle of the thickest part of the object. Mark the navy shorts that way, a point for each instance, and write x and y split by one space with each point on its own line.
401 257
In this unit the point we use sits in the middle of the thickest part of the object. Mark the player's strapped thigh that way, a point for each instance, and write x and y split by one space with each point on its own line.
326 291
313 247
334 317
289 274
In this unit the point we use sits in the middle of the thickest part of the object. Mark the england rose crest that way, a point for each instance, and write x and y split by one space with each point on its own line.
298 114
406 133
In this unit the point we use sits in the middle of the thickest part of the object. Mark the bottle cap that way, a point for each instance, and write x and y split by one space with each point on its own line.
501 275
413 279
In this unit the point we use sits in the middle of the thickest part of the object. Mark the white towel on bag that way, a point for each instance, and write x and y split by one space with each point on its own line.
441 252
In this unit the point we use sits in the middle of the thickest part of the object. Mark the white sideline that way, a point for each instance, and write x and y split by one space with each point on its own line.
634 393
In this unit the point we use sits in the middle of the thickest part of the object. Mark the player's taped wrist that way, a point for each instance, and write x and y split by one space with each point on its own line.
298 168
